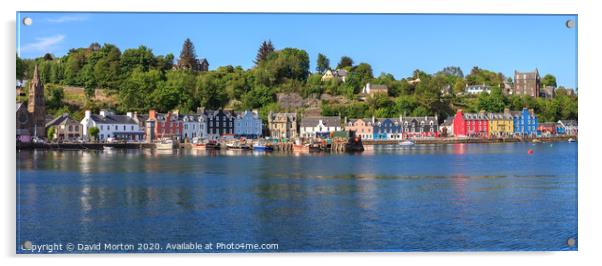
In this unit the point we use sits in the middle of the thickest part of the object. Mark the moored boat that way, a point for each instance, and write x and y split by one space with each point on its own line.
406 143
165 144
571 140
262 147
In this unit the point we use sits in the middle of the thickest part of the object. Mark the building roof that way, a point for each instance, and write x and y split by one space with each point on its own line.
329 121
570 123
447 122
475 116
112 119
62 119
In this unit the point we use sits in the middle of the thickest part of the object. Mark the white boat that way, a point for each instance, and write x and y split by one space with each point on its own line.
406 143
165 144
571 140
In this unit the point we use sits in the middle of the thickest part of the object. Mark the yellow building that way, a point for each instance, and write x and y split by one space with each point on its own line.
501 124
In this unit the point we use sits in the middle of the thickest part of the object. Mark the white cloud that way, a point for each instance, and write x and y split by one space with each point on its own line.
67 18
43 44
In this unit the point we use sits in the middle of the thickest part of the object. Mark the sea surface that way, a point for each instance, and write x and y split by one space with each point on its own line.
460 197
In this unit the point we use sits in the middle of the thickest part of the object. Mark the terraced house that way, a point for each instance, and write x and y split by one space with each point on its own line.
219 123
282 125
471 124
419 126
387 128
320 126
501 124
525 122
248 124
121 127
363 128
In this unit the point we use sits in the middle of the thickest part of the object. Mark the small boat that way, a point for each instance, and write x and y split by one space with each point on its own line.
262 147
301 147
536 141
571 140
165 144
199 146
237 146
406 143
108 148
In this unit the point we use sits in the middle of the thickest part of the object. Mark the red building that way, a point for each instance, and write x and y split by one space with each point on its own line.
165 125
547 129
471 124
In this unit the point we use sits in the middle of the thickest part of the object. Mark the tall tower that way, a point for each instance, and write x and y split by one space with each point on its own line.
36 106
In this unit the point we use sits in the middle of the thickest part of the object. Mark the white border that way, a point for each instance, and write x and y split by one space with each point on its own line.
589 147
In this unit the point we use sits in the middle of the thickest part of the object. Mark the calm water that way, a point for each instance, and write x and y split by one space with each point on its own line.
425 198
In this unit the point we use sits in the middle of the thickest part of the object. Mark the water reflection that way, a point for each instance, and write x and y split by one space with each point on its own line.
424 198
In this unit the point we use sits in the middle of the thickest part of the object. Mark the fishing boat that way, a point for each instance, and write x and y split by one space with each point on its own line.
571 140
262 147
212 145
406 143
198 144
165 144
237 146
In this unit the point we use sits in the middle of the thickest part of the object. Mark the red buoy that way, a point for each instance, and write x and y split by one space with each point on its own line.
530 151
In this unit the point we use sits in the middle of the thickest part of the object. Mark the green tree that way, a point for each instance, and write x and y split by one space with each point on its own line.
187 56
55 96
265 49
283 65
257 97
210 92
141 57
20 68
345 61
323 63
135 92
50 132
548 80
93 133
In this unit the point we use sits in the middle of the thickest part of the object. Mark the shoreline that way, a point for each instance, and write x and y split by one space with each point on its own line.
101 146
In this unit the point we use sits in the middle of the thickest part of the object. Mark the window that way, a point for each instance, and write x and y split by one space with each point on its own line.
116 127
101 127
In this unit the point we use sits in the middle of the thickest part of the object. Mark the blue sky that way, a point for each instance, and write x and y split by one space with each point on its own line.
396 44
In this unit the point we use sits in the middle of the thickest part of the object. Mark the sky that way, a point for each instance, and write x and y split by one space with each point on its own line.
391 43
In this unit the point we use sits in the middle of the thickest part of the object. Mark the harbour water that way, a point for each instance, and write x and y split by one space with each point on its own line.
460 197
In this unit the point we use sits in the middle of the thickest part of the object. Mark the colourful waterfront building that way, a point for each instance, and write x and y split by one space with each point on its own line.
283 125
248 124
166 125
501 124
387 128
419 126
471 124
362 127
567 127
320 126
546 129
525 122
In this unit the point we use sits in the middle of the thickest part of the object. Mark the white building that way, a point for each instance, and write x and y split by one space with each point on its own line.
478 89
248 124
110 125
194 126
320 126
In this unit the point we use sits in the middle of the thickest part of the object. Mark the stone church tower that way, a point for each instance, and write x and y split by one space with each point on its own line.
36 106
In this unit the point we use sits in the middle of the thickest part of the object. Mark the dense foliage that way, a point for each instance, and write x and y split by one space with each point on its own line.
141 80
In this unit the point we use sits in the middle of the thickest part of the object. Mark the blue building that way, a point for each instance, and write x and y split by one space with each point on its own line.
525 122
387 129
248 124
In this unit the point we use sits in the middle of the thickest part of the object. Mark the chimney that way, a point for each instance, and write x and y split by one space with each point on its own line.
152 114
345 120
88 113
200 110
135 115
130 115
103 113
